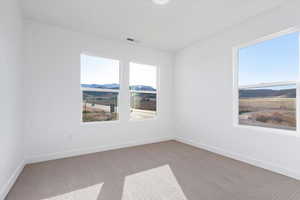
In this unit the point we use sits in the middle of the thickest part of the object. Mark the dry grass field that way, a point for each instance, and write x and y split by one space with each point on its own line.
94 113
99 106
143 101
268 112
102 106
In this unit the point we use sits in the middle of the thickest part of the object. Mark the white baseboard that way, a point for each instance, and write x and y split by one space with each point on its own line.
236 156
78 152
6 188
269 166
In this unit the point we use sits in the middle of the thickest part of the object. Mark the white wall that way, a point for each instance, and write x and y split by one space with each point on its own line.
203 78
11 147
52 77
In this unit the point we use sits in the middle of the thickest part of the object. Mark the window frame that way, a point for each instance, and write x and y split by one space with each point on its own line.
157 90
117 121
236 86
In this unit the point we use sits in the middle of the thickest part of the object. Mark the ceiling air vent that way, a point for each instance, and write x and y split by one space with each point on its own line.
132 40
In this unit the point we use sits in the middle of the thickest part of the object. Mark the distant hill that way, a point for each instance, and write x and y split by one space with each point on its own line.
102 86
142 87
117 86
267 93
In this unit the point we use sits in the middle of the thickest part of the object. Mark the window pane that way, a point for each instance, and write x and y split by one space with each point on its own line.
143 88
97 72
143 105
99 106
273 60
100 88
273 107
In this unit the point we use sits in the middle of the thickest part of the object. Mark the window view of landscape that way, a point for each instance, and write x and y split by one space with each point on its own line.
99 106
142 91
267 77
268 107
100 89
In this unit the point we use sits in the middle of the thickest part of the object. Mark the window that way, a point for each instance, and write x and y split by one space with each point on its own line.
100 88
143 91
267 75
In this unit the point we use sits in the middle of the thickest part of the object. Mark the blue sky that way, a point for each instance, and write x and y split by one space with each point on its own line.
97 70
270 61
142 75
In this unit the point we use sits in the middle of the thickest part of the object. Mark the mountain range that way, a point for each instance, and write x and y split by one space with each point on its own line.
267 93
117 86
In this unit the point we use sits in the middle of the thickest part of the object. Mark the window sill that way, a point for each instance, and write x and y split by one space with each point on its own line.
99 123
141 120
282 132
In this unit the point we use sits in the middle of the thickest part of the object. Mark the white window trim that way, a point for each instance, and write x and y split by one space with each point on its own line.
236 87
100 90
157 92
123 115
143 91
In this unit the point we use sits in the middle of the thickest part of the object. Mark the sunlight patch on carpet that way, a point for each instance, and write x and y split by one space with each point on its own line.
88 193
154 184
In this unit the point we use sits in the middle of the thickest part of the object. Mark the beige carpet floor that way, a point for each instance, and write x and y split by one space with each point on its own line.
161 171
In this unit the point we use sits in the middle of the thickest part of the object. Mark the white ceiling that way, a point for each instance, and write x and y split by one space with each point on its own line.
168 27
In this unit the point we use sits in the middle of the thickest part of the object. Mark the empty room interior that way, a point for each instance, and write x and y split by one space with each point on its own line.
150 100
